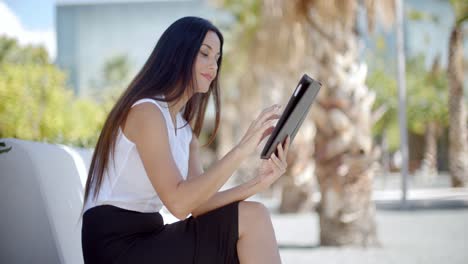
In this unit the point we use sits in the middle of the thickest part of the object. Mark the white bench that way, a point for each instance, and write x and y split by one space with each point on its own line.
41 195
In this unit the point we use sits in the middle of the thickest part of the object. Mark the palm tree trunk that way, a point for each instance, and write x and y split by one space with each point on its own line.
430 155
458 149
429 164
345 171
344 155
319 37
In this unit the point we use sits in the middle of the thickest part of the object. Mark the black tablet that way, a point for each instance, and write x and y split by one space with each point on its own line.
293 115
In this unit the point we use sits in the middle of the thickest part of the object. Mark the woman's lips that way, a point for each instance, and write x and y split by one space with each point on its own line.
207 76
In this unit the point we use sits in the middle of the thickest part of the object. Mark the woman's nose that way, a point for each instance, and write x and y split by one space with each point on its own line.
213 65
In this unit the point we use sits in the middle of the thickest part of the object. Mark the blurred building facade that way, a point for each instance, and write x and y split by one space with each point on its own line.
90 33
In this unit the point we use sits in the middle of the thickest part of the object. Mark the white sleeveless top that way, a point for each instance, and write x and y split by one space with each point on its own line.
125 183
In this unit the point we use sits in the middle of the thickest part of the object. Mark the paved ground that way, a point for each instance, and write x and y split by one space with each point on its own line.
433 228
422 236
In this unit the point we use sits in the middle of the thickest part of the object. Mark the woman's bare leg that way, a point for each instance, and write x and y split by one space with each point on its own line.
257 242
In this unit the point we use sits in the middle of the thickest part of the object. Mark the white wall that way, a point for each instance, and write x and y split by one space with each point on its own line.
90 34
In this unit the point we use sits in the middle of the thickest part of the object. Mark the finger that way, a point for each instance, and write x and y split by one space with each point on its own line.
266 126
273 114
278 164
270 117
288 143
273 167
266 133
269 113
267 110
280 152
265 130
284 163
259 120
271 108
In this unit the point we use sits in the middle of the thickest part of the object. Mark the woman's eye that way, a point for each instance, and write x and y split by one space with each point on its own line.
204 54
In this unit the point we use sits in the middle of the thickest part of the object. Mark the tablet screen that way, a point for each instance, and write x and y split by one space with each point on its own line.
293 115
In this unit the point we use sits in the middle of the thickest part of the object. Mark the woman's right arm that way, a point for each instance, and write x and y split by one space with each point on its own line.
147 129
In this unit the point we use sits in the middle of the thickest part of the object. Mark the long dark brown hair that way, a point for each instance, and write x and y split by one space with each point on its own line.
167 72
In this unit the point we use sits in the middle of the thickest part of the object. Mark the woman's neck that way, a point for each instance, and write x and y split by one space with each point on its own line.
176 106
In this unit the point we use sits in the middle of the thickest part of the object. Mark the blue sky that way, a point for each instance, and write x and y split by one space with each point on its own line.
34 14
30 22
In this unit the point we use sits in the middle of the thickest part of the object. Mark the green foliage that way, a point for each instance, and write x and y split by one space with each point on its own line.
426 99
116 76
11 52
385 87
116 71
381 79
420 16
427 95
246 12
460 8
37 105
247 15
33 98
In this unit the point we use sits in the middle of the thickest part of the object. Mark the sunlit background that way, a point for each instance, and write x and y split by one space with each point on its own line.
377 173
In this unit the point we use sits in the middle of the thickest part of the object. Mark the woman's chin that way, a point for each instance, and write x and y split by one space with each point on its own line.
204 90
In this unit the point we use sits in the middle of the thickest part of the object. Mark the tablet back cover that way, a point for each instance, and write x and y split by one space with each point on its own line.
293 115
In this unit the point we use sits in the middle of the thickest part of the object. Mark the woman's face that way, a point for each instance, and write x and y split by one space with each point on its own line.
206 63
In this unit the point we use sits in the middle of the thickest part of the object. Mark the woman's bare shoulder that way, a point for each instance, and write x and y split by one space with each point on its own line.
142 117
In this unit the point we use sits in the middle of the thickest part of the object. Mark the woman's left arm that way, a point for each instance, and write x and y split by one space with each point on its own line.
238 193
220 199
269 171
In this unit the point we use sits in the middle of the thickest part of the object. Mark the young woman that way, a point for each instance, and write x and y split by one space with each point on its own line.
147 156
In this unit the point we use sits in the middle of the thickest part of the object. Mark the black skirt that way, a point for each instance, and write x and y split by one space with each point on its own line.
114 235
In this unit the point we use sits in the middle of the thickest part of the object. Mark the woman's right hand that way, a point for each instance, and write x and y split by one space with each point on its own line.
259 129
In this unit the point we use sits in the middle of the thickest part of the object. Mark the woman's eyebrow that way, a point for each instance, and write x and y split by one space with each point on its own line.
209 47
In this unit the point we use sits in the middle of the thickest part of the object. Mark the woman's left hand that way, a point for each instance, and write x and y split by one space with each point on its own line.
271 169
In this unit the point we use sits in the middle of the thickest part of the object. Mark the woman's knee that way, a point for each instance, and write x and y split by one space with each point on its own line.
253 208
251 214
